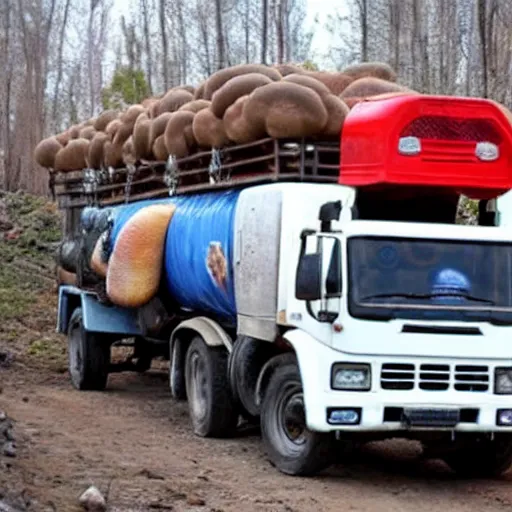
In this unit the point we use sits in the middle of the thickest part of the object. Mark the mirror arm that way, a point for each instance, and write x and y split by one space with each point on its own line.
305 233
310 311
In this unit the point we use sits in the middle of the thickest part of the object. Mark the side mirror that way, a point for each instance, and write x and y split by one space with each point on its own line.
310 276
308 284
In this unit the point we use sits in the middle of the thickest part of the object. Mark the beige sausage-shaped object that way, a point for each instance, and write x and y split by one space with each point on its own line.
135 266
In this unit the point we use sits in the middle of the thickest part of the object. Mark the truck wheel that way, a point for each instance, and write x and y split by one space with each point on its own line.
176 372
89 357
290 445
211 406
245 362
482 459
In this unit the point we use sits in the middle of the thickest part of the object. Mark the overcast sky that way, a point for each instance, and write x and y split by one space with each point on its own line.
323 8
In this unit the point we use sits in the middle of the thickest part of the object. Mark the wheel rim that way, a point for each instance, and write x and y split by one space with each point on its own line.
75 355
291 420
198 387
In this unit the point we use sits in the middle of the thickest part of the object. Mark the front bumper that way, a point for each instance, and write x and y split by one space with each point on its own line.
382 410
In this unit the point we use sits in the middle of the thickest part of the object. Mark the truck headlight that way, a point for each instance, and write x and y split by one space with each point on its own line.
503 381
351 377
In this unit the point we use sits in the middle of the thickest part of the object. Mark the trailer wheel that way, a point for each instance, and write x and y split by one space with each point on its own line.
89 357
211 405
290 445
481 459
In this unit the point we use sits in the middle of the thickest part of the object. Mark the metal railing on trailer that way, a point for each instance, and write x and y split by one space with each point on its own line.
262 161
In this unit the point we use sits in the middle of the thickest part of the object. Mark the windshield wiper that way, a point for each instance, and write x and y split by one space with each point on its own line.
426 296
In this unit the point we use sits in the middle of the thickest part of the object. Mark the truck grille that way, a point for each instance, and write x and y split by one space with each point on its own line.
434 377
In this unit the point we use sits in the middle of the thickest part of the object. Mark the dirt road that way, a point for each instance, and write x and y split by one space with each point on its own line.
135 444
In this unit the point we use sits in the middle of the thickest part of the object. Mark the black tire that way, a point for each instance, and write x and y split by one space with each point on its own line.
481 458
309 452
211 407
248 357
177 373
89 356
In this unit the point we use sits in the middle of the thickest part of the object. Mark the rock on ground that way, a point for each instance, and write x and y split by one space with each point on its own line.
7 439
93 500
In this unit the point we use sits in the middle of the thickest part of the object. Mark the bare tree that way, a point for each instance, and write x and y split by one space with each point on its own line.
54 52
264 31
147 43
57 89
182 29
90 54
165 51
456 47
133 46
363 16
34 24
220 37
205 55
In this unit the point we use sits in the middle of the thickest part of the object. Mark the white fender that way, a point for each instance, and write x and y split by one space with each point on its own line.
314 360
211 332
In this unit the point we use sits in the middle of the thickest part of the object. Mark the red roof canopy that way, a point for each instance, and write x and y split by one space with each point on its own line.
464 144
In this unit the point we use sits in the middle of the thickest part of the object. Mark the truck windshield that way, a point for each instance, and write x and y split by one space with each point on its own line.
392 277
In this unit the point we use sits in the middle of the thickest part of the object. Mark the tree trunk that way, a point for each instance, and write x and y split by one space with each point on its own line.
184 43
147 44
203 28
90 50
5 121
482 30
278 13
264 31
221 57
59 66
394 34
247 29
363 9
165 53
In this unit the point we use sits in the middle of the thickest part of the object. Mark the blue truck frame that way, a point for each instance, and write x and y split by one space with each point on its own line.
97 317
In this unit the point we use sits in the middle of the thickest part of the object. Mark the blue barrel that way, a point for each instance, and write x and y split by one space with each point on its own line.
199 253
198 257
122 213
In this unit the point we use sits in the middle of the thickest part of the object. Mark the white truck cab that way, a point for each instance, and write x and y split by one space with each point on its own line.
395 329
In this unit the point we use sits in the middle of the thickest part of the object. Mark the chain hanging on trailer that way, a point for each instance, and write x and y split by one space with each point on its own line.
87 182
171 175
90 186
111 174
226 175
97 182
103 176
215 167
130 174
